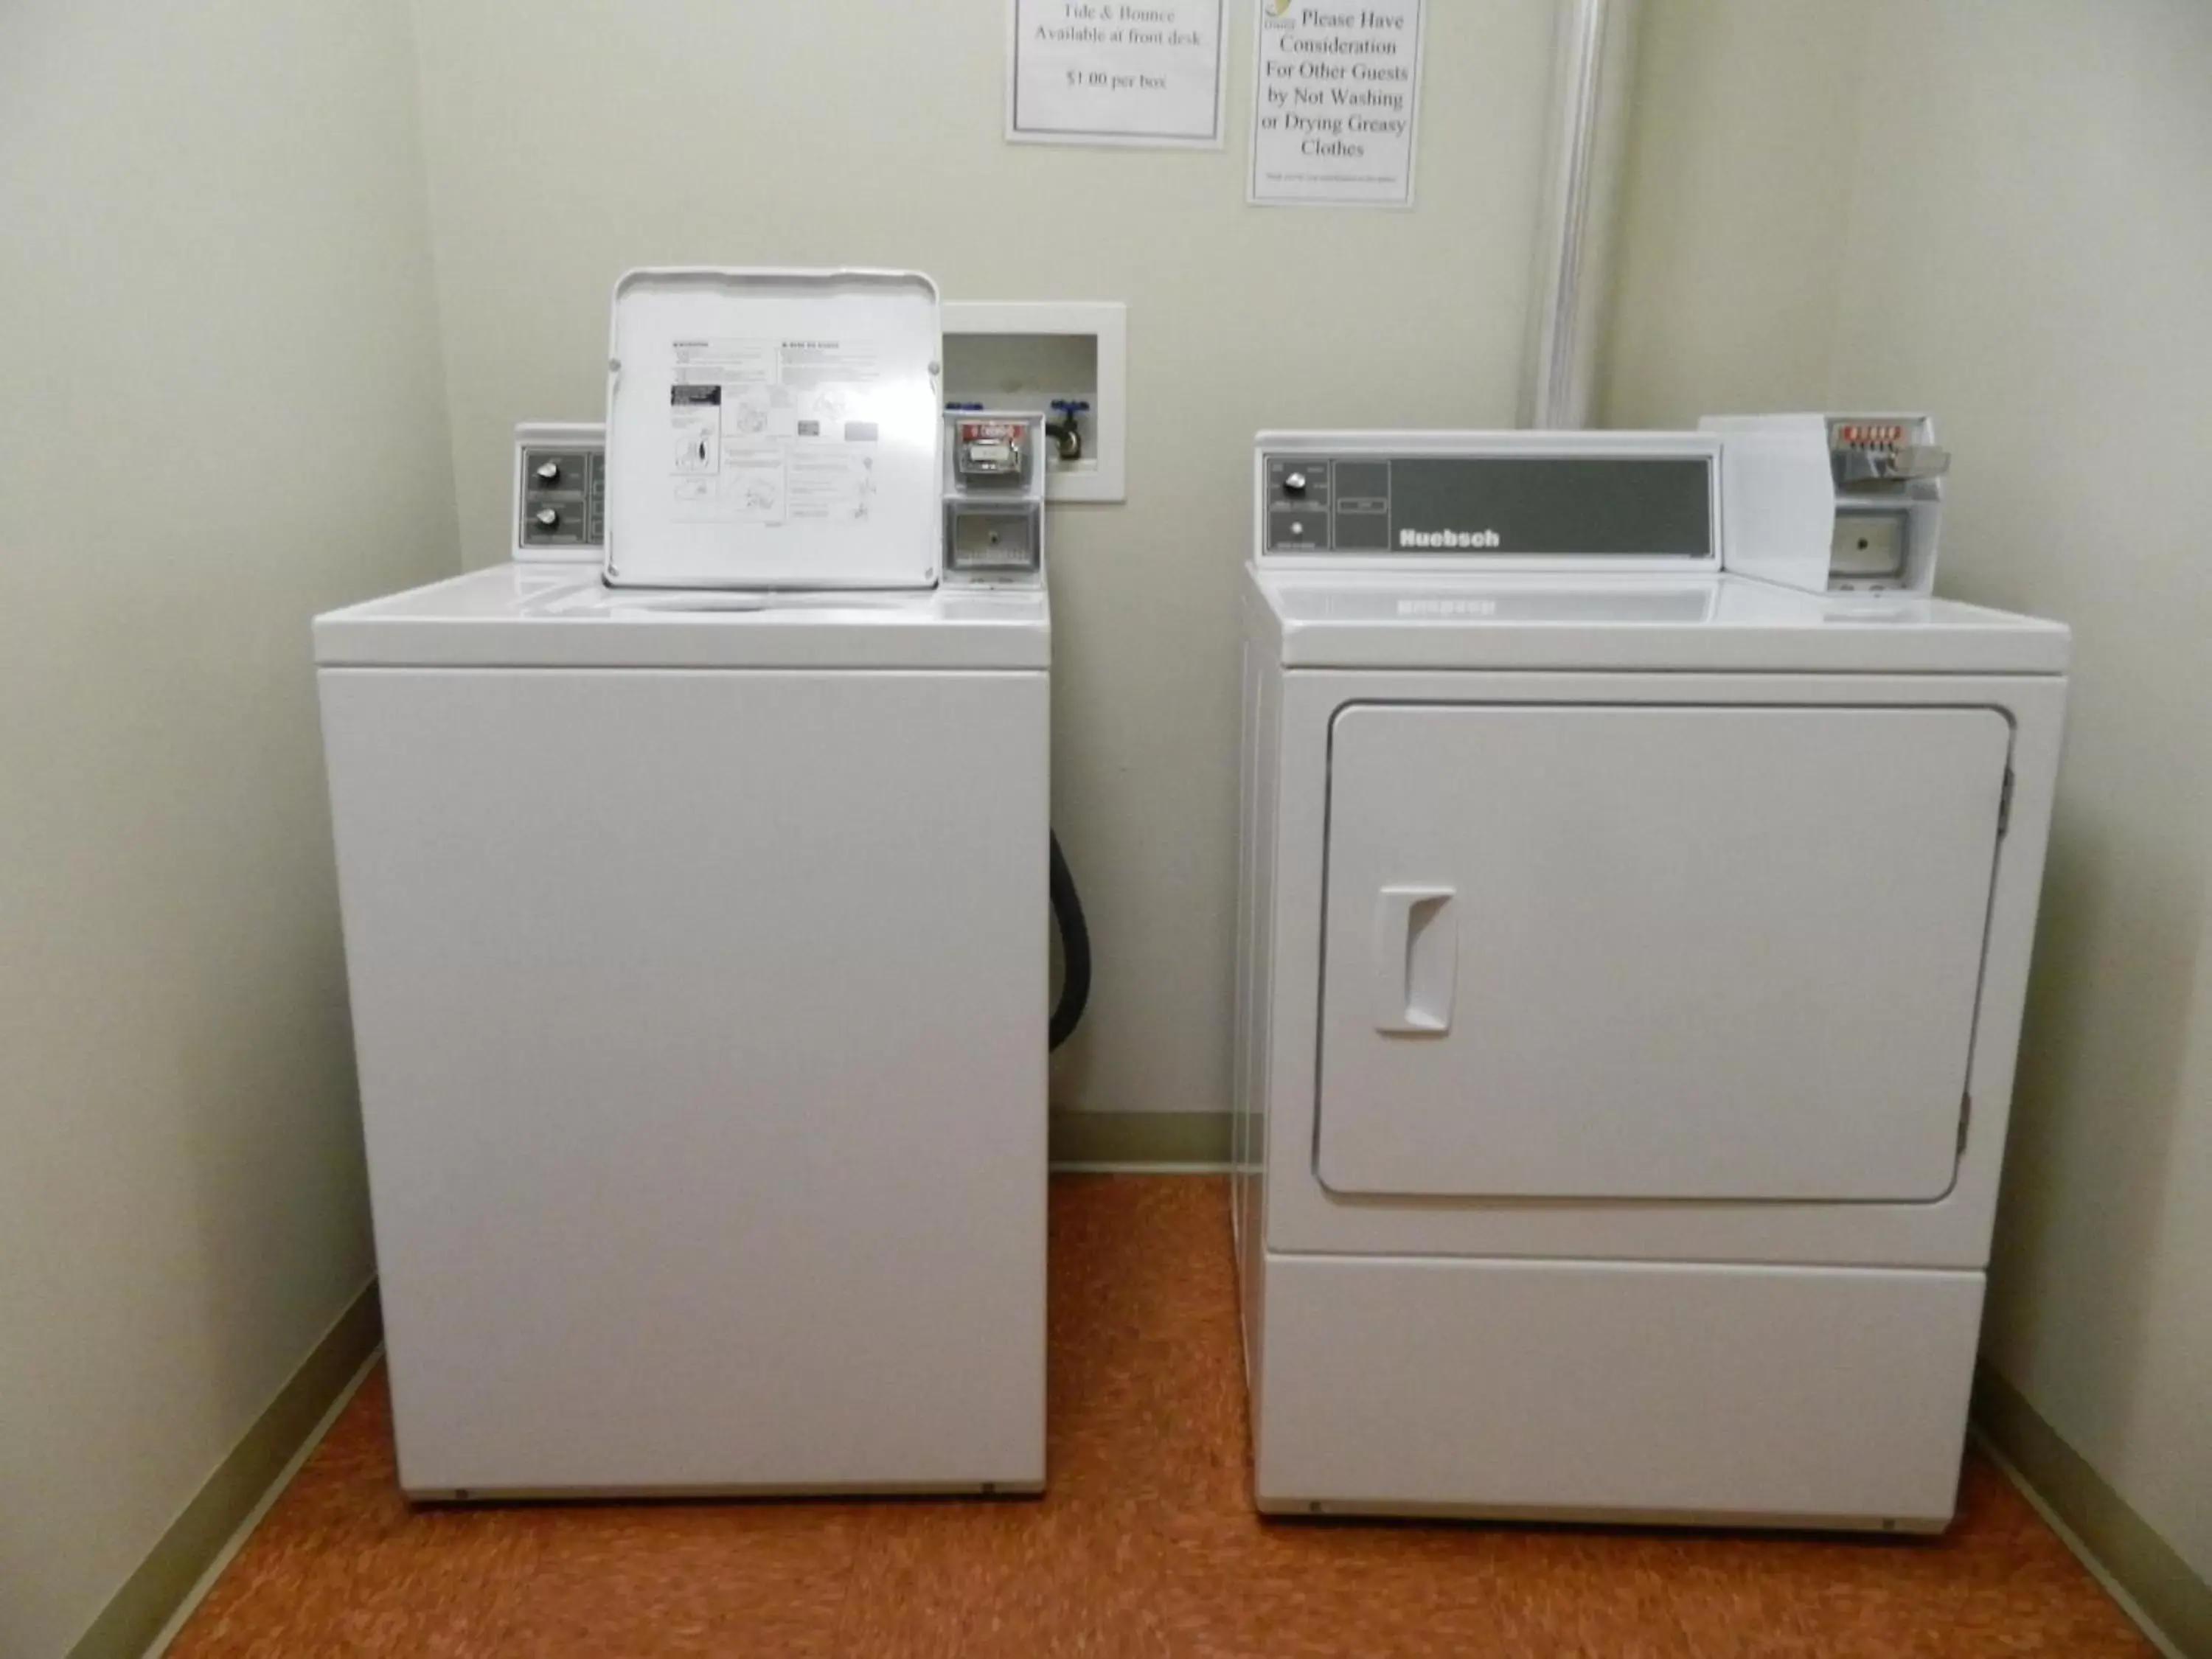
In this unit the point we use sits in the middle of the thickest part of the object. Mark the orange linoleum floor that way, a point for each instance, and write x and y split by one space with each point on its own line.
1145 1543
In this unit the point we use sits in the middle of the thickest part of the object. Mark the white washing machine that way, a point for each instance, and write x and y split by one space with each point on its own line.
1630 965
697 943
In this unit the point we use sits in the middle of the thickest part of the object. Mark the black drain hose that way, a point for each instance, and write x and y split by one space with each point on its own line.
1074 951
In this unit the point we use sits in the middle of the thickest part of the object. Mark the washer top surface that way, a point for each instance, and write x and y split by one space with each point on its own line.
1340 619
524 617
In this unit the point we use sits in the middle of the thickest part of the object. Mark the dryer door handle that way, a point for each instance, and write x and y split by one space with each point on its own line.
1416 963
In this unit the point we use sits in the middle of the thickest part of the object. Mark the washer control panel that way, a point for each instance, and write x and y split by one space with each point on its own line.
560 491
1508 504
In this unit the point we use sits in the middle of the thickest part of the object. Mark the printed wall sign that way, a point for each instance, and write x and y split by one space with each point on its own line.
1115 72
1336 97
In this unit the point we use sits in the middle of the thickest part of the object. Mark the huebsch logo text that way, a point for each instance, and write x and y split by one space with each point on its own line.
1455 538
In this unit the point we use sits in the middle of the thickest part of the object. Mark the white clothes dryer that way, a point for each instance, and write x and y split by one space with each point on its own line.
1631 961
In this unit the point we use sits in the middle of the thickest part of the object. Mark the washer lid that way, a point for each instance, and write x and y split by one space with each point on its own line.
1334 620
544 617
772 428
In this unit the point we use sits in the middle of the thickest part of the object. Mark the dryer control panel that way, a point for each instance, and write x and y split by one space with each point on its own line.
1493 498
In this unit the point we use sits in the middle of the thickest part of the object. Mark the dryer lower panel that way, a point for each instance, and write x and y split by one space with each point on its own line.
1733 1394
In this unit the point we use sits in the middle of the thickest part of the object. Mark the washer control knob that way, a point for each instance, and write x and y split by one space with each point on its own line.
1294 483
547 518
548 472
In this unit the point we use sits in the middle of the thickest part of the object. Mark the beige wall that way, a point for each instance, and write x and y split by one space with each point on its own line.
219 412
2021 207
568 139
1744 123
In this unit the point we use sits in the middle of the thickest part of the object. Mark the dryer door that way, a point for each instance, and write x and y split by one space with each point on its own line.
1653 951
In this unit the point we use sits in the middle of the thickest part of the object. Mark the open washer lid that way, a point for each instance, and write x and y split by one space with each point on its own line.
773 429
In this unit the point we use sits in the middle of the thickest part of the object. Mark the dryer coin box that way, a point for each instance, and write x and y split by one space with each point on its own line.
1834 503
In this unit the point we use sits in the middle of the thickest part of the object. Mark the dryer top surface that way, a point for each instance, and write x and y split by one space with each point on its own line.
1333 619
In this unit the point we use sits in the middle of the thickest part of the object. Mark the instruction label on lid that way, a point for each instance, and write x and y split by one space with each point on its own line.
767 432
774 429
